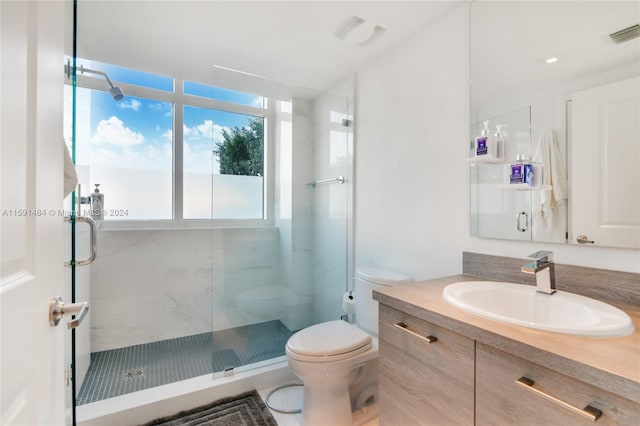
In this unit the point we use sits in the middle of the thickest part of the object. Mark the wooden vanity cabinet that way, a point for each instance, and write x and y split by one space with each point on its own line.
426 372
455 380
546 398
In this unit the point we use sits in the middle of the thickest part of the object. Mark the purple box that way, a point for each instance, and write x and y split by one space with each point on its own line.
521 173
516 174
481 146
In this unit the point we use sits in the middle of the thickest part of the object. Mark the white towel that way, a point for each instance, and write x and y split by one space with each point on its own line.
548 206
554 172
70 175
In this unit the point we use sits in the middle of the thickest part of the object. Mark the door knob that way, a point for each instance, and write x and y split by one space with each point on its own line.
583 239
57 310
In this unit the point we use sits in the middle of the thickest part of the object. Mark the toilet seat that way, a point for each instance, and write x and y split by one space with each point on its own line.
328 342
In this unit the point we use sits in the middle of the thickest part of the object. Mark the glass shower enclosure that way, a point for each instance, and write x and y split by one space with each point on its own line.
206 262
290 269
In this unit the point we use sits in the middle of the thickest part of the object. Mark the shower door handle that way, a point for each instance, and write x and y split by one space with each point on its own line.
519 226
58 309
93 236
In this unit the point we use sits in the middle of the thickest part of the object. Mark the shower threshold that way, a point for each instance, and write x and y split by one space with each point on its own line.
134 368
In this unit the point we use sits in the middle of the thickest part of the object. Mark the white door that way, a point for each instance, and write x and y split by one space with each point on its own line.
32 362
605 176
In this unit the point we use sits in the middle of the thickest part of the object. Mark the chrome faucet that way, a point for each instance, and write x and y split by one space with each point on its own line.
544 270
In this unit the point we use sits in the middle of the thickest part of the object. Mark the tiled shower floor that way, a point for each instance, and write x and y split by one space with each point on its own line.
124 370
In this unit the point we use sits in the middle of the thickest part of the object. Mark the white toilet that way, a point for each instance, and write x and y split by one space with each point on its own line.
327 356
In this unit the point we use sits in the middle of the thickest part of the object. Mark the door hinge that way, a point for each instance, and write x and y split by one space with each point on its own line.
68 376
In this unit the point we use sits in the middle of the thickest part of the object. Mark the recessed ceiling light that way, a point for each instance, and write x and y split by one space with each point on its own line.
551 60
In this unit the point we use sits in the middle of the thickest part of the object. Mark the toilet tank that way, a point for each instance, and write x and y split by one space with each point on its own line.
366 280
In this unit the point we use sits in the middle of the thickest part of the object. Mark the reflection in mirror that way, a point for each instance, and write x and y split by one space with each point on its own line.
516 66
496 211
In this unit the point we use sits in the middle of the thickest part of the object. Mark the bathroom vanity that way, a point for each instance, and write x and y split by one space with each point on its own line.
441 365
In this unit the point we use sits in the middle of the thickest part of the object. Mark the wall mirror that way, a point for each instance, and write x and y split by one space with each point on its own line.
564 87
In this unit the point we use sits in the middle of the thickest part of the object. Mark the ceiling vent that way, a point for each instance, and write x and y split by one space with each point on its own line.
358 31
626 34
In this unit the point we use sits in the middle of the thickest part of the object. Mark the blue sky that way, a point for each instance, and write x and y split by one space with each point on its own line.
137 132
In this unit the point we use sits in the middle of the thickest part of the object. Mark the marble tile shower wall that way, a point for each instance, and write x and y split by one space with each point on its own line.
150 285
302 213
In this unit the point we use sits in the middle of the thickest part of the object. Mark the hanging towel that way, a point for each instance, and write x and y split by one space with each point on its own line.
70 175
554 173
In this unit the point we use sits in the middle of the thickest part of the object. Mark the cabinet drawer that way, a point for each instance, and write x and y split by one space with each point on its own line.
549 398
423 383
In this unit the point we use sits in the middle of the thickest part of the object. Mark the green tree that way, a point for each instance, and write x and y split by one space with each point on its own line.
241 152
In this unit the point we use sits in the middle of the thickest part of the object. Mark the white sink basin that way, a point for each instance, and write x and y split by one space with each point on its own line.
520 304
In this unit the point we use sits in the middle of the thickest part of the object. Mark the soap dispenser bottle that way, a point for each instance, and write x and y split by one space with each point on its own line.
482 142
501 142
97 204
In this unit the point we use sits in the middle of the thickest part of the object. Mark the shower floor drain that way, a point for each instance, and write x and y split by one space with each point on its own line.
135 373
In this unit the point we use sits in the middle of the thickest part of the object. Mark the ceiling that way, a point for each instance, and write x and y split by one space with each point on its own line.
289 42
510 40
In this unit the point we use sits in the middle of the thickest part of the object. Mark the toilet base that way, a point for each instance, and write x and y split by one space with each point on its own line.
323 405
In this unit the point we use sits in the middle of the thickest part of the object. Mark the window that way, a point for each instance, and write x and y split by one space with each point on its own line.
203 90
129 148
233 174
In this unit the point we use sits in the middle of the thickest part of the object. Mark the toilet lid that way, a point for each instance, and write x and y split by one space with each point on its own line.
328 339
380 276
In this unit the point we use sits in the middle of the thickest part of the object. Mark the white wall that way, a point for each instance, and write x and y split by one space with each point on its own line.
412 189
411 118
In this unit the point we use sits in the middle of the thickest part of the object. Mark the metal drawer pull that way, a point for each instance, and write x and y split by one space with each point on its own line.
404 326
57 310
589 412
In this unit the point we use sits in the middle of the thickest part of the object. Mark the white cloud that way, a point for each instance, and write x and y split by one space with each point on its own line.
147 157
113 132
162 106
199 159
206 130
103 155
155 154
133 104
258 101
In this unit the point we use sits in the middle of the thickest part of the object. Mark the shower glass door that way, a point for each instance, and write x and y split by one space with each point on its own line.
149 287
279 240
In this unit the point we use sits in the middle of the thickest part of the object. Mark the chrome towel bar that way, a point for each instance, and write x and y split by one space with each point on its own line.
339 179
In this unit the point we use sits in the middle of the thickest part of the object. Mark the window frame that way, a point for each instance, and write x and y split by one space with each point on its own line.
179 100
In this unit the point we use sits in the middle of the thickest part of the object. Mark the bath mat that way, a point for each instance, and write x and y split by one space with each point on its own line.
246 409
